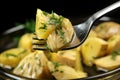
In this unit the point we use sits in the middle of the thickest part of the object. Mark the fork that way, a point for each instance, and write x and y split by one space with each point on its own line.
81 30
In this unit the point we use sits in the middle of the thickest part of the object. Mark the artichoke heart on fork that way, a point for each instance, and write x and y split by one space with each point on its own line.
54 29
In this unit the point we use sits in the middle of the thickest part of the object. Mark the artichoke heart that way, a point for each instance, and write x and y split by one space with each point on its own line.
55 29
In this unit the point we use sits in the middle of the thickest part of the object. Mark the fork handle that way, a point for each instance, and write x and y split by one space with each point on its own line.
104 11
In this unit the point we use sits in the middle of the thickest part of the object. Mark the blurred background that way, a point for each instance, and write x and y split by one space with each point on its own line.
18 11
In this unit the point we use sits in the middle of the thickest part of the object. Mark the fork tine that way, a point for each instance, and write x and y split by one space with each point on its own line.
37 41
39 47
38 44
34 36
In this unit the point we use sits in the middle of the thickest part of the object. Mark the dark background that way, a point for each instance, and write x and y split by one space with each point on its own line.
12 12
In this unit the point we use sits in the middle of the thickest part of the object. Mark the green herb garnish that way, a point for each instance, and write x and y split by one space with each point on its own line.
45 13
62 36
55 20
30 26
11 54
44 26
114 54
56 64
47 47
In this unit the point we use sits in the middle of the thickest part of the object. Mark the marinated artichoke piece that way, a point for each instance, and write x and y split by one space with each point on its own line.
42 27
108 62
54 29
71 58
33 66
64 72
93 48
113 44
11 57
61 37
106 30
26 41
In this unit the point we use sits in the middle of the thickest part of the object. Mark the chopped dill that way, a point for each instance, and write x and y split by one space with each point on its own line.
47 47
56 64
11 54
54 20
115 54
45 13
44 26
